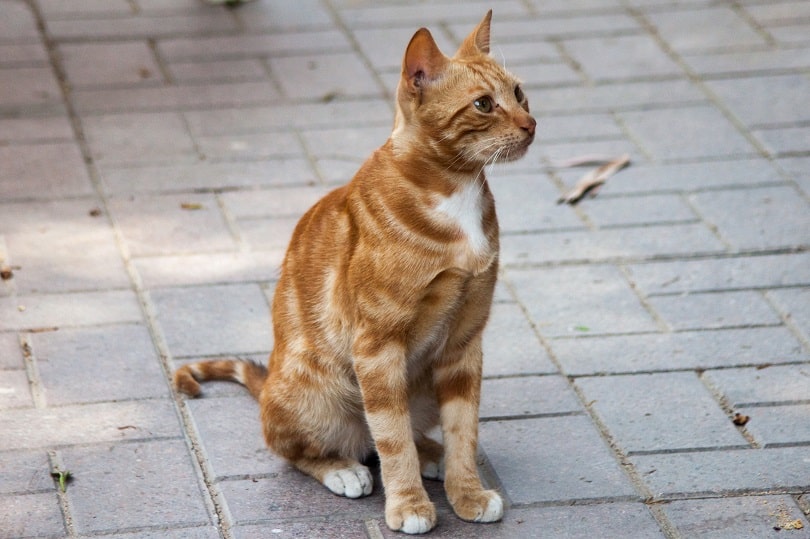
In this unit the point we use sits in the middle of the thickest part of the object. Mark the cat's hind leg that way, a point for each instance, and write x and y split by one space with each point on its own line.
344 477
431 458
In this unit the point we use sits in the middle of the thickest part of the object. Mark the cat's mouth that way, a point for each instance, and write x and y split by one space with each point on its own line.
515 150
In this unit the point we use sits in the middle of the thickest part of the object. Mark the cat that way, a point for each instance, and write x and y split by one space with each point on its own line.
384 293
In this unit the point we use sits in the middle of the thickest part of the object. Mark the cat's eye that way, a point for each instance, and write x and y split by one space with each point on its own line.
519 94
483 103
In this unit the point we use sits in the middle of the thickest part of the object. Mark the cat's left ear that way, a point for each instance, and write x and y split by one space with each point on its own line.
478 41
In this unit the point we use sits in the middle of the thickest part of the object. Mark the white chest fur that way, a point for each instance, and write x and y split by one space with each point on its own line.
464 209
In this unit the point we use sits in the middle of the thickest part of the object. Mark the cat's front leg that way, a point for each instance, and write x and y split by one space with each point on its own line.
458 387
382 375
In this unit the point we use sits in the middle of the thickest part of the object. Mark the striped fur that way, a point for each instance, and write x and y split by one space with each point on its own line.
384 293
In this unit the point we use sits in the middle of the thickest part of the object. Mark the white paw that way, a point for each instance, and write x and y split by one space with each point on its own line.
416 524
351 482
434 470
494 510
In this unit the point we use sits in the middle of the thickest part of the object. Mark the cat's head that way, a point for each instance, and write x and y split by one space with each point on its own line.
465 111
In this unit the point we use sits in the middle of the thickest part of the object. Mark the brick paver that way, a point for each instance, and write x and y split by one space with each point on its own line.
156 154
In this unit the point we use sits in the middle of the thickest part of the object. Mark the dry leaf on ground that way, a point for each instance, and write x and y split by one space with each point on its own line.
594 179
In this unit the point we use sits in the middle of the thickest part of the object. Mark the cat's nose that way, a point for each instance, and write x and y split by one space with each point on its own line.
528 124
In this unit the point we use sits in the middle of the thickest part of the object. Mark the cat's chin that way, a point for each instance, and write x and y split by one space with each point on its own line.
515 152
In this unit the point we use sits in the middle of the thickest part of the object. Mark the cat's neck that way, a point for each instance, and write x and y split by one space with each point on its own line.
425 168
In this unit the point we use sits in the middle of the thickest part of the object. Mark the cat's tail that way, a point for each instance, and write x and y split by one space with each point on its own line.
249 374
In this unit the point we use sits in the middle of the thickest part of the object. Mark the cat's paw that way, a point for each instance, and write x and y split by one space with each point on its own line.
483 506
352 482
433 470
411 518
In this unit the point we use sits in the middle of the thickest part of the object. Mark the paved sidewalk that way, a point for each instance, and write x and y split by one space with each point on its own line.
155 155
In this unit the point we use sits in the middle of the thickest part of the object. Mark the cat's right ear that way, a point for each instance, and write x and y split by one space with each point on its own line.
423 60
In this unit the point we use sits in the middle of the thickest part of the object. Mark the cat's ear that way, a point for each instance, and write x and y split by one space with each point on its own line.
423 60
478 41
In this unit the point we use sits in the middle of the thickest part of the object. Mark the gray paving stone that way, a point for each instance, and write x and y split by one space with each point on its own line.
560 21
35 129
239 325
749 98
609 244
778 425
30 515
42 171
533 395
702 132
559 300
22 54
74 251
790 35
210 268
218 71
290 201
652 209
660 412
799 169
345 143
553 459
338 528
272 234
122 359
795 304
10 352
779 13
722 274
325 76
252 146
163 225
24 472
621 57
14 390
208 176
685 177
109 478
217 47
87 424
715 310
749 62
725 472
69 310
18 22
731 518
528 202
339 114
290 494
231 435
786 140
172 99
414 15
102 64
279 15
117 138
29 88
683 350
617 519
775 384
768 217
554 152
140 26
608 97
510 346
58 9
201 532
705 29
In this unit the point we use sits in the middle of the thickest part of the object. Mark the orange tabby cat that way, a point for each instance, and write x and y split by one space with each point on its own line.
385 291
